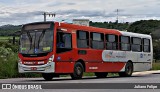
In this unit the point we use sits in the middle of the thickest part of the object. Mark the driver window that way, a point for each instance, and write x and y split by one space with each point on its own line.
63 42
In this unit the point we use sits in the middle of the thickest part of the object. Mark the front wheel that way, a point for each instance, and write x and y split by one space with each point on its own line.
78 71
128 70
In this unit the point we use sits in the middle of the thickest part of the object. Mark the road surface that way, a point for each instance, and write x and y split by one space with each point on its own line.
146 77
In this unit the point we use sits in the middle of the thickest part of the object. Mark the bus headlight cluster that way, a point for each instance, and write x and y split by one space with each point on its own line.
51 59
20 61
48 67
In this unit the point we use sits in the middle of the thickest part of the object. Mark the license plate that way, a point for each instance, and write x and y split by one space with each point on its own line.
33 68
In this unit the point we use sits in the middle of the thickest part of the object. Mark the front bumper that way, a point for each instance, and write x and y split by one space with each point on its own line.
47 68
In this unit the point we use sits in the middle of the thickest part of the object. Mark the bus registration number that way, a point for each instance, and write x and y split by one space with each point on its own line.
33 68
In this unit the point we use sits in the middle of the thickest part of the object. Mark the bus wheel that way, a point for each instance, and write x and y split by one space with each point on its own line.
128 70
78 71
101 74
47 76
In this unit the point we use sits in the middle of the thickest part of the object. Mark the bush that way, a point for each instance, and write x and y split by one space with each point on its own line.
156 66
14 48
9 62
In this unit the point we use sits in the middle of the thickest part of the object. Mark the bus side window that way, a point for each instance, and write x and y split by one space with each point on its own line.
125 43
146 45
63 42
136 44
111 42
97 40
82 39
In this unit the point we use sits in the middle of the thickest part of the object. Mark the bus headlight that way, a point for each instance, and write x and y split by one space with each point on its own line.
20 61
51 59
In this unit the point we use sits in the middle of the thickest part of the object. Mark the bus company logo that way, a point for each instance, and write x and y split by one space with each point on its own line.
141 55
109 55
58 58
36 50
6 86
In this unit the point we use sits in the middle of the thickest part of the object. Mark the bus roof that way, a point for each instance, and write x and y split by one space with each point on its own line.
135 34
103 30
90 28
96 29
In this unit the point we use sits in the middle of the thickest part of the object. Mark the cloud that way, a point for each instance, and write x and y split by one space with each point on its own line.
21 18
71 3
24 11
76 13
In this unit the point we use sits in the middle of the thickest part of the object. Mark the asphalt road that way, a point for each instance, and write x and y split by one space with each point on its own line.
146 77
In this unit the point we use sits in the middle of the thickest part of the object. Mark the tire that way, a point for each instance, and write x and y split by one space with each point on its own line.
78 71
48 76
101 74
128 70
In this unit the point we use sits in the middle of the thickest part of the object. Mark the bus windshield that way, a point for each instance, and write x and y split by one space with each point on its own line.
36 41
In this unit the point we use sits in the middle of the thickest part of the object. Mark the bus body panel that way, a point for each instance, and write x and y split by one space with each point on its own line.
104 66
65 61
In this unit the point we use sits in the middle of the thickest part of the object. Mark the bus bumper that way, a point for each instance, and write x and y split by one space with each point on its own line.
47 68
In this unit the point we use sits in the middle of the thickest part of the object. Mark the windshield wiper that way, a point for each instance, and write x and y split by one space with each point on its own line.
30 39
41 37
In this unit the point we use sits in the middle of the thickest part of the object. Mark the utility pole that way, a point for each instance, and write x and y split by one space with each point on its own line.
47 13
117 15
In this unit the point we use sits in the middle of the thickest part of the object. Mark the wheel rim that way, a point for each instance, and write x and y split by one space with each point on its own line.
129 69
78 70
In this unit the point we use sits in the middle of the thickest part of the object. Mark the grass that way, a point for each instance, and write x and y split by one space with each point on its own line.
156 66
8 67
6 38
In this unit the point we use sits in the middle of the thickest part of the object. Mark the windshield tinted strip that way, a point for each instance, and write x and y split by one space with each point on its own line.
38 26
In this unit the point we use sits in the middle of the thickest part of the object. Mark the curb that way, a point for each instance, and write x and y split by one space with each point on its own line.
146 72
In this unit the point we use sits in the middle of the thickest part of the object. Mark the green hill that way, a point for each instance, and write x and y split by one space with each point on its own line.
9 30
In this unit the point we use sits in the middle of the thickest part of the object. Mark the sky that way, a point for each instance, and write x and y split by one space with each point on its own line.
19 12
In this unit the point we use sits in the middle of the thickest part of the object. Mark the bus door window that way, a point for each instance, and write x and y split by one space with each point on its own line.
63 42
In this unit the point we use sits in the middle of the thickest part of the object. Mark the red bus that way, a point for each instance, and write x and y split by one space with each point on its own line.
54 48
